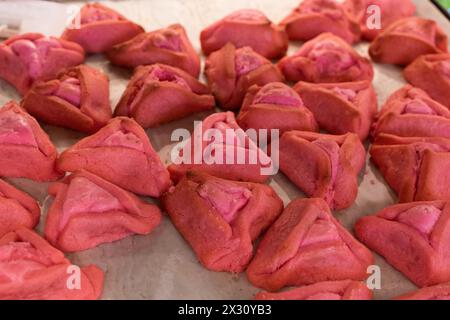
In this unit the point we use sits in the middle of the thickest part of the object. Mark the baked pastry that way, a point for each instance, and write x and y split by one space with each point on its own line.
31 57
410 112
415 168
25 149
340 108
219 147
432 74
77 99
438 292
121 153
169 46
413 238
98 28
329 290
88 211
244 28
159 93
307 245
416 36
326 59
31 269
390 11
323 166
17 209
221 218
231 72
314 17
275 106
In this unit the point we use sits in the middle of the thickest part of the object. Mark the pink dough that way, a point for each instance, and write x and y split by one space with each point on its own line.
244 28
25 149
31 269
85 196
123 139
279 95
322 231
98 28
423 218
246 60
94 14
225 197
417 106
328 55
221 219
88 211
159 93
169 45
69 89
33 53
347 94
413 238
14 129
121 153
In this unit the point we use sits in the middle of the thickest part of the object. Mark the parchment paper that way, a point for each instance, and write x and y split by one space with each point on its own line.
162 265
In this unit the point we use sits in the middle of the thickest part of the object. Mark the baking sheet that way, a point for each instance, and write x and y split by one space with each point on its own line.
162 265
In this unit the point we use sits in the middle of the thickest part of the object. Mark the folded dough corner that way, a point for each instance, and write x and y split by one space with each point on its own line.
326 58
415 168
417 36
248 27
231 71
17 209
314 17
25 149
168 45
221 218
413 238
158 93
343 107
78 99
432 74
88 211
121 153
31 57
323 166
307 245
32 269
410 112
233 155
98 28
275 106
